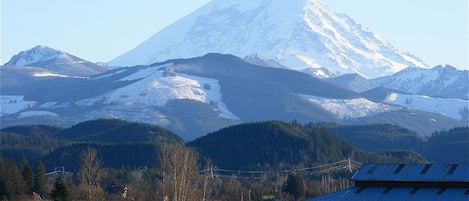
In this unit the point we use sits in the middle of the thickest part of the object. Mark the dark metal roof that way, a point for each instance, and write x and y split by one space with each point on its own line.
413 172
393 194
411 182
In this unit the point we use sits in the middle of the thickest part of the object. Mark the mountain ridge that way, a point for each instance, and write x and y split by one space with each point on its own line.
195 96
439 81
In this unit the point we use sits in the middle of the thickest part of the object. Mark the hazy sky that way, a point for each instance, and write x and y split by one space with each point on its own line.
100 30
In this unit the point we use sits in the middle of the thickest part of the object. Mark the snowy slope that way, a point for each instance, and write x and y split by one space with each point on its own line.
440 81
154 89
297 34
11 104
350 108
450 107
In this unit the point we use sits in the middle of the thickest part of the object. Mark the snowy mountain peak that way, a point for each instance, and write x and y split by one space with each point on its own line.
36 54
300 34
56 62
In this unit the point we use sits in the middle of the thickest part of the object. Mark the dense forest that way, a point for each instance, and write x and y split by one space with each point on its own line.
385 138
110 159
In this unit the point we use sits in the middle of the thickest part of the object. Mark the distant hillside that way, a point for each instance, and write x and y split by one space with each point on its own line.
118 131
449 146
28 130
38 141
112 155
33 141
425 123
352 82
275 144
378 137
384 138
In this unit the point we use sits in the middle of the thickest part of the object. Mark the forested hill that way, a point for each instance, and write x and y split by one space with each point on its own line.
385 137
449 146
376 137
32 130
121 142
118 131
266 145
277 145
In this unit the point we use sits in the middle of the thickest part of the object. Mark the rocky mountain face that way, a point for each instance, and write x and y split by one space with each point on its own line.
301 34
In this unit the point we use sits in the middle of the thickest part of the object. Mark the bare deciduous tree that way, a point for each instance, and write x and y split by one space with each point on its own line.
179 165
90 173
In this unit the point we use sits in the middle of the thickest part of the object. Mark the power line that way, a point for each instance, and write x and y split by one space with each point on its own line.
346 164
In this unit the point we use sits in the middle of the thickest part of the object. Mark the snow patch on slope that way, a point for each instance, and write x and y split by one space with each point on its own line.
36 113
451 107
154 90
350 108
106 75
49 74
54 105
13 104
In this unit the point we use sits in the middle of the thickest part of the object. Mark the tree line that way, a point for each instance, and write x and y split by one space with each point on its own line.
148 163
177 179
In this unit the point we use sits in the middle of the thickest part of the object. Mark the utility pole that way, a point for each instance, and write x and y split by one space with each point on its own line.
349 165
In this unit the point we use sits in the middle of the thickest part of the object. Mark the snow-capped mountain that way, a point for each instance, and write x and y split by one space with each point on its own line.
440 81
194 97
297 34
36 54
55 62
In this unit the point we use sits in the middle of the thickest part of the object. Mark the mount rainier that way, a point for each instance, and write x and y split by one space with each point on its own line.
298 34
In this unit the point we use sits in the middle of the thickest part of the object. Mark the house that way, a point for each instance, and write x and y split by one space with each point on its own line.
410 182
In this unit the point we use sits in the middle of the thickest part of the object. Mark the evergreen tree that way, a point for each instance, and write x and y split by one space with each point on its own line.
11 182
39 184
60 192
27 174
294 186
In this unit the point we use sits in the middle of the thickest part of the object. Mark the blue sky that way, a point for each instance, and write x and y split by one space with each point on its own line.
100 30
